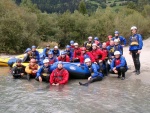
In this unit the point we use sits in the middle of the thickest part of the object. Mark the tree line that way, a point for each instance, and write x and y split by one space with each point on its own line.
25 25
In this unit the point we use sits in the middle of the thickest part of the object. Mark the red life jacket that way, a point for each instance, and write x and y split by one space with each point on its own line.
51 61
77 52
117 62
58 75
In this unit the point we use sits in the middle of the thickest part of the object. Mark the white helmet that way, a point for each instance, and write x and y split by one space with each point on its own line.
90 37
117 53
116 40
56 47
87 60
45 61
133 27
94 44
75 44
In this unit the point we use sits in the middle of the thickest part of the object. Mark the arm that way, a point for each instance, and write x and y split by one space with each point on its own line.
44 52
58 53
91 57
140 41
123 40
67 58
95 72
112 65
103 55
65 77
37 55
39 72
59 59
25 57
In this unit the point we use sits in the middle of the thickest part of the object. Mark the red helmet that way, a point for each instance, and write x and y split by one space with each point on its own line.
109 36
83 49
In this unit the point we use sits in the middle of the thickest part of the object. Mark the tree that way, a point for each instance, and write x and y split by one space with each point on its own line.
82 7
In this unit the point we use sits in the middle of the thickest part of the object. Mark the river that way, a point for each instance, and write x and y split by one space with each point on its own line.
108 96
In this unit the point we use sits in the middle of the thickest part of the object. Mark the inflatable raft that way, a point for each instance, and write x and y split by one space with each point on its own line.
76 72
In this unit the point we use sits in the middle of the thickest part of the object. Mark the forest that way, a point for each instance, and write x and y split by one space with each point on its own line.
24 24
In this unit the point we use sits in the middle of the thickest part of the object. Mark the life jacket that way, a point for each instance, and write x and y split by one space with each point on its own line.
47 51
55 52
19 69
68 53
88 45
33 54
51 60
117 62
35 67
134 40
45 71
58 75
63 59
77 51
112 49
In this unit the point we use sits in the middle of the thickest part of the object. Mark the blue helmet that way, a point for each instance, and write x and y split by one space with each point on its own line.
63 53
28 49
50 53
96 38
71 42
33 46
60 62
67 46
116 32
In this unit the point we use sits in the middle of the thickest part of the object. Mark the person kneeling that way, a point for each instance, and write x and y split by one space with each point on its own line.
94 68
18 70
59 75
44 72
119 65
31 69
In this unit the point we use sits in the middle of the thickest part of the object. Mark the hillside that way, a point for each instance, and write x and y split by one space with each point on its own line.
61 6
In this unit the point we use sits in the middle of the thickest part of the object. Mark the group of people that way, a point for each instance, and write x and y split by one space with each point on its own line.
100 58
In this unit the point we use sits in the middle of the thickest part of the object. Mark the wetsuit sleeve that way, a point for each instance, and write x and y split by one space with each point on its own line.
122 63
44 52
103 55
13 70
25 57
67 59
91 57
95 72
59 58
123 40
37 55
39 72
28 70
112 65
65 77
58 53
51 79
140 42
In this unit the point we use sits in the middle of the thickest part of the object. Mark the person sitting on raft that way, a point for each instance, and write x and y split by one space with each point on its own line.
64 57
109 39
28 55
77 53
31 69
85 54
44 72
94 68
51 58
46 51
59 75
69 52
35 54
55 51
118 47
18 70
119 65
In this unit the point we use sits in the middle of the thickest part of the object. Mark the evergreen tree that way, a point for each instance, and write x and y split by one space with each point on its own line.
82 7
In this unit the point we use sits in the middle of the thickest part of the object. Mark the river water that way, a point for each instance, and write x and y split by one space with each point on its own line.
108 96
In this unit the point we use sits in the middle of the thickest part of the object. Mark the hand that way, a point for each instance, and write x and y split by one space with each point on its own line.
115 71
114 68
40 78
112 57
130 52
22 74
53 84
95 62
57 84
100 60
78 65
123 45
139 51
89 78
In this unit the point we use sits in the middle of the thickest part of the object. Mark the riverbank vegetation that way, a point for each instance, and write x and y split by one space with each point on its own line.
24 25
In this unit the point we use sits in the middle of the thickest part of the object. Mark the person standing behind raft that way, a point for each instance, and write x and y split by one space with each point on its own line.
135 47
59 75
94 68
44 72
31 69
119 65
18 70
46 51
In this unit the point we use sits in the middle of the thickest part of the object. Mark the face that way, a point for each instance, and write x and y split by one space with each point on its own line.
111 43
47 47
117 56
67 49
50 55
76 46
46 64
18 63
55 48
83 51
110 39
29 52
32 63
88 63
116 34
116 43
134 31
94 47
63 56
33 49
90 39
104 45
60 66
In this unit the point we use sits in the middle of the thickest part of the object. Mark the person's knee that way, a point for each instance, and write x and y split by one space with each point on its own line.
123 69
